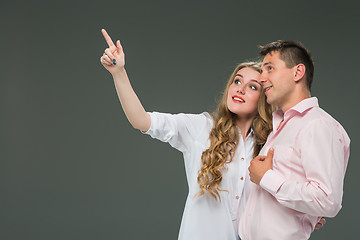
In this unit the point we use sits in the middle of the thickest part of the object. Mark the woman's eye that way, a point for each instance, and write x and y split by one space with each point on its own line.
253 87
236 81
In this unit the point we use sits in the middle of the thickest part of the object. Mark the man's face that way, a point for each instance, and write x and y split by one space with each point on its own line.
277 80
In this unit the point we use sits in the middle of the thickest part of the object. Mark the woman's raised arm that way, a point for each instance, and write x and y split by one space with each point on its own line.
113 60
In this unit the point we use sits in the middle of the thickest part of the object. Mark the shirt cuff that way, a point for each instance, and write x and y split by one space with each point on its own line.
272 181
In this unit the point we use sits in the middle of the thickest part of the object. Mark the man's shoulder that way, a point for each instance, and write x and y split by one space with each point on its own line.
316 114
318 118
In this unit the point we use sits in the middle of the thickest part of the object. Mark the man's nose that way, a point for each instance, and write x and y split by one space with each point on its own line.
262 78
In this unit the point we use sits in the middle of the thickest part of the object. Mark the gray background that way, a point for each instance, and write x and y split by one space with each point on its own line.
72 167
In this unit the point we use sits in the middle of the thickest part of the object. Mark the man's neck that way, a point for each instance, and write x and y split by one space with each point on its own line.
295 100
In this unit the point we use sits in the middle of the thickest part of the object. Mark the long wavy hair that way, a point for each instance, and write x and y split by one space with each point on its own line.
224 137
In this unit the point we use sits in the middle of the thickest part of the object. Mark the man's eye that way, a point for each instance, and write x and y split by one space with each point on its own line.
270 68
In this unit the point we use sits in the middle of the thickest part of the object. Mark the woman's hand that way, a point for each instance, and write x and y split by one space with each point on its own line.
113 58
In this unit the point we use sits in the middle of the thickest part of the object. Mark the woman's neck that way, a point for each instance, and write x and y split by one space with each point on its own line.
244 124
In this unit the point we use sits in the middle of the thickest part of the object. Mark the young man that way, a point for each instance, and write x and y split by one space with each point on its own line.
301 178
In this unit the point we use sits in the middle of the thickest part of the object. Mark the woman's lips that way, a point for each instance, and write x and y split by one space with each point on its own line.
238 99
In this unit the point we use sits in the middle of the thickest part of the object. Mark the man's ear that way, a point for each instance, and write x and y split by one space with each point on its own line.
299 72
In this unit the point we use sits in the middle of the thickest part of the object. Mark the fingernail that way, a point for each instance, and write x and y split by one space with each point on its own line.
114 60
114 63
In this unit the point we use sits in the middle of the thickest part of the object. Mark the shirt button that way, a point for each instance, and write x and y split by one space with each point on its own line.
237 197
242 159
242 178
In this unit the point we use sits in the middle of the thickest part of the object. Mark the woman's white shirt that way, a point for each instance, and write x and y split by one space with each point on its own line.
204 217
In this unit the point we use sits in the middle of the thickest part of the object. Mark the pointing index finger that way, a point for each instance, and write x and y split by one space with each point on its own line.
107 38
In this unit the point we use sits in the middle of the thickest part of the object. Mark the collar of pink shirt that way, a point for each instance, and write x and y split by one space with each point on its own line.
300 108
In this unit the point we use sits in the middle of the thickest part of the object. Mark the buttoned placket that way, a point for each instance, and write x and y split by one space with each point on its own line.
241 165
242 176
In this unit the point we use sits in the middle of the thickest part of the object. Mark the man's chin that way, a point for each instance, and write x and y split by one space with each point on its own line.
271 101
268 100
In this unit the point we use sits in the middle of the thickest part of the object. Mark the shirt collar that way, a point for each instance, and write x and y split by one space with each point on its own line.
299 108
251 131
250 135
304 105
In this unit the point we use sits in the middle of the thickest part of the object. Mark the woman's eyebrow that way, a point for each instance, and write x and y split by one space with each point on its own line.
254 80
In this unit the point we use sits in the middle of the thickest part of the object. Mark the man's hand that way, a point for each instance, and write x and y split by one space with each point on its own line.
320 224
260 165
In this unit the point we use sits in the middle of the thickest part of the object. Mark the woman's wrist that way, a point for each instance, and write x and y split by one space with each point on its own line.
120 74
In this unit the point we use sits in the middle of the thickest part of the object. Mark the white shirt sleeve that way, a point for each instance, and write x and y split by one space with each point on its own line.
179 130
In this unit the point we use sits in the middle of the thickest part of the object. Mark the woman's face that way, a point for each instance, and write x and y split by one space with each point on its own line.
244 93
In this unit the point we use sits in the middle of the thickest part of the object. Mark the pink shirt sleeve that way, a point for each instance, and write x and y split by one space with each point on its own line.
324 152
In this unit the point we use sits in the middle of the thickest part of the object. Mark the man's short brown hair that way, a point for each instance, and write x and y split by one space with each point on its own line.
292 53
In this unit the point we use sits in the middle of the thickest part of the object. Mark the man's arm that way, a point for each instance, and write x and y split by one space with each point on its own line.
324 155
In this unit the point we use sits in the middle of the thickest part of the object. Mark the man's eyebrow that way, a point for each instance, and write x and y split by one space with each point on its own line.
267 63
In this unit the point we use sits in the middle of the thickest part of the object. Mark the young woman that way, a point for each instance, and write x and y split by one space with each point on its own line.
217 149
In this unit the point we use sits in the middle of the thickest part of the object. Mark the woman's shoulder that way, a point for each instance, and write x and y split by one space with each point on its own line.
199 125
200 120
188 117
204 116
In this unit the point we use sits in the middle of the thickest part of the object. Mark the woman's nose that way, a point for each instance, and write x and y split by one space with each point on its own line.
241 90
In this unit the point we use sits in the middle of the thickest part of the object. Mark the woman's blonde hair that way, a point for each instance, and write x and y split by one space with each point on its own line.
224 137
